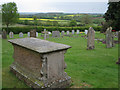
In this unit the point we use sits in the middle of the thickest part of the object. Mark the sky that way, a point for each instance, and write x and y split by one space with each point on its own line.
67 6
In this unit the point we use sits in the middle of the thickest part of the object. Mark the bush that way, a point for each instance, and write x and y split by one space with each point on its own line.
26 29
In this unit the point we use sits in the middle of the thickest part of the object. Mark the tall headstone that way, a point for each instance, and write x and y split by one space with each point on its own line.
67 32
118 62
4 35
36 34
91 37
33 33
55 34
11 34
109 38
78 32
20 34
45 32
28 34
73 32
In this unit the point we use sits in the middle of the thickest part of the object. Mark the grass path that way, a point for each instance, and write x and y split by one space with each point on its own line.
87 68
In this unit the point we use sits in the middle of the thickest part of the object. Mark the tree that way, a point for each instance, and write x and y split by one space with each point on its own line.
9 13
73 23
113 15
86 19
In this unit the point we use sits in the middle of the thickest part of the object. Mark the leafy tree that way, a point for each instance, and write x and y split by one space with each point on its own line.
9 13
73 23
113 15
86 19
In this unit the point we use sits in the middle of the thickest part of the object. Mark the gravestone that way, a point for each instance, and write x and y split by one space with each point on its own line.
40 63
4 34
73 32
91 37
45 34
33 33
11 34
28 34
118 62
36 34
55 34
109 38
86 31
20 34
49 33
67 32
78 32
62 33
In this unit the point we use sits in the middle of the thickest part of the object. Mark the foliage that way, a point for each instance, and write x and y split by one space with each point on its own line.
9 13
86 19
72 23
113 15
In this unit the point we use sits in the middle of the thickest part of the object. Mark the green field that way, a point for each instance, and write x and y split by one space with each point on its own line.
87 68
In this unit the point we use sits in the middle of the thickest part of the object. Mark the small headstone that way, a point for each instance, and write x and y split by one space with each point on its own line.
67 32
91 37
4 34
33 33
36 34
49 33
78 32
11 34
73 32
28 34
109 38
20 34
62 33
55 34
86 31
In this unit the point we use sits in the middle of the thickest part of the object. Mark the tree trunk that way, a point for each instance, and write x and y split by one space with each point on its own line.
7 28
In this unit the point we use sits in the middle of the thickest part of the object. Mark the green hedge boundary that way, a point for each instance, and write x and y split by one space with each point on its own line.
26 29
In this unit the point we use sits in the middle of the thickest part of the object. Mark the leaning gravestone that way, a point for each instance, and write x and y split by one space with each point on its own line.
20 34
73 32
109 38
40 63
33 33
4 35
11 34
78 32
55 34
91 37
28 34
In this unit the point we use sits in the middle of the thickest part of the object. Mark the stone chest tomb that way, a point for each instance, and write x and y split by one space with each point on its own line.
40 63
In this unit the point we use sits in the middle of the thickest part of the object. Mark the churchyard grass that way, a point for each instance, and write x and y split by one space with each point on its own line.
87 68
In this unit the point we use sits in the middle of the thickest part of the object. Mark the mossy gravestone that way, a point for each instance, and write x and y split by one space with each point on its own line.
33 33
91 37
40 63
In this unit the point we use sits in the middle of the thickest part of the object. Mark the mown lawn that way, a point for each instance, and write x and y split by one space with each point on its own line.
87 68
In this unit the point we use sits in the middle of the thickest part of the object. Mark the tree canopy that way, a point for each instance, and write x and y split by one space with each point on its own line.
9 13
112 16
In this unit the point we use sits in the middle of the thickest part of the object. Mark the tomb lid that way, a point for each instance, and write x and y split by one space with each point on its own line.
38 45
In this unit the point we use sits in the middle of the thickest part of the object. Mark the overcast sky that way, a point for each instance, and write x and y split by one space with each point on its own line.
48 5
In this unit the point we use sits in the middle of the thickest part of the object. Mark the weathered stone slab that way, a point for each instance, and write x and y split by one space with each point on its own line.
55 34
33 33
4 34
91 37
40 63
11 34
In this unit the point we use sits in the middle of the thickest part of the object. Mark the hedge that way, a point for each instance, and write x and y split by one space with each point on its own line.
26 29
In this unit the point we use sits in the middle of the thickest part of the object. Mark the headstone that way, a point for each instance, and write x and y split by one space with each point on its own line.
33 33
4 34
118 62
40 63
73 32
11 34
91 37
62 33
45 32
86 31
109 38
28 34
36 34
67 32
55 34
49 33
78 32
20 34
